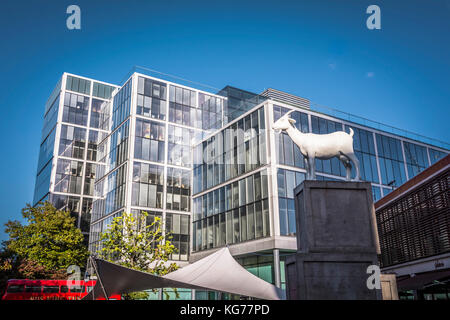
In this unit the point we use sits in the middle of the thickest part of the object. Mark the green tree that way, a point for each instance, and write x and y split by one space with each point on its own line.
49 243
136 244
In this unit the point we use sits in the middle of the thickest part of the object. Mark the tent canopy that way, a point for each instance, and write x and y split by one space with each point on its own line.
218 271
221 272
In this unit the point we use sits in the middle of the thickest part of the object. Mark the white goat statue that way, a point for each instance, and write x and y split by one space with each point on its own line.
321 146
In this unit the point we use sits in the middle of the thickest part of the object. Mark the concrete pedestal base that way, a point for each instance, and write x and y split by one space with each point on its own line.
336 239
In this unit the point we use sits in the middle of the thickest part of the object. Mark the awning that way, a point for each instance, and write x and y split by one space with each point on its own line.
218 272
419 281
113 279
221 272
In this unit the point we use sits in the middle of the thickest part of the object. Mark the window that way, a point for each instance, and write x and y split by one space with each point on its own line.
287 181
180 141
78 85
149 143
94 139
416 158
68 176
212 108
50 118
233 151
178 189
98 106
33 289
89 179
121 105
102 90
233 213
77 289
64 202
182 107
178 226
86 210
115 189
76 109
50 289
436 155
15 288
390 157
151 99
118 146
72 142
147 186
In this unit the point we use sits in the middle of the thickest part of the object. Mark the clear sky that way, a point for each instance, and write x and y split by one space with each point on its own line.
321 50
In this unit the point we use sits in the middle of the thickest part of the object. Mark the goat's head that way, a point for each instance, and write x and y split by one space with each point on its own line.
284 122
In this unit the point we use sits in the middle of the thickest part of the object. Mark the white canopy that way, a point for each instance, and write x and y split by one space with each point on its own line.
221 272
218 271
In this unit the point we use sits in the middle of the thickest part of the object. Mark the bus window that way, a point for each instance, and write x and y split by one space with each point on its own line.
64 289
89 289
15 288
51 289
33 289
76 289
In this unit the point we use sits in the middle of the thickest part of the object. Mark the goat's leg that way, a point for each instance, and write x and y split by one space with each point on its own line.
308 174
346 162
355 162
312 167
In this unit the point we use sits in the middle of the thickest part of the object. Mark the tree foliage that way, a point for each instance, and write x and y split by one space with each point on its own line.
50 239
136 244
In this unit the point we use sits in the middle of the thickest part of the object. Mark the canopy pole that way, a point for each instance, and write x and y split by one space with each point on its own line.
99 279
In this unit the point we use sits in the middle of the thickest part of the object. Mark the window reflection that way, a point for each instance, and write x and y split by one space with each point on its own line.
239 148
151 99
147 186
75 109
149 143
231 214
72 142
178 189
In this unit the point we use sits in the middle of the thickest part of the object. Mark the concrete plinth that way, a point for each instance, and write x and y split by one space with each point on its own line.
337 240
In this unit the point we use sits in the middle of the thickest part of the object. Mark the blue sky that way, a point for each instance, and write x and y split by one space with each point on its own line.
321 50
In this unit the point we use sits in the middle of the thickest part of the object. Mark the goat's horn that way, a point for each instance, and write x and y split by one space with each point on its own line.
289 113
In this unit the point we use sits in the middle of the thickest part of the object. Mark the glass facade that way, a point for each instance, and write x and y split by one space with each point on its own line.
233 151
180 141
67 165
178 189
76 109
416 158
148 185
287 180
151 99
231 214
178 225
149 142
144 164
197 160
183 107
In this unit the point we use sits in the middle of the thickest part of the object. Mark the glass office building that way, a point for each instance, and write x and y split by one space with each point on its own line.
207 163
71 134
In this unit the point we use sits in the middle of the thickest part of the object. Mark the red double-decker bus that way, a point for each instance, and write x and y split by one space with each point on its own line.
49 290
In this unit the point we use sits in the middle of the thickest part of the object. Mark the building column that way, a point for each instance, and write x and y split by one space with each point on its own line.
160 295
276 267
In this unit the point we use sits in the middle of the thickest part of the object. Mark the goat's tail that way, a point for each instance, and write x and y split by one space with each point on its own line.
351 132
